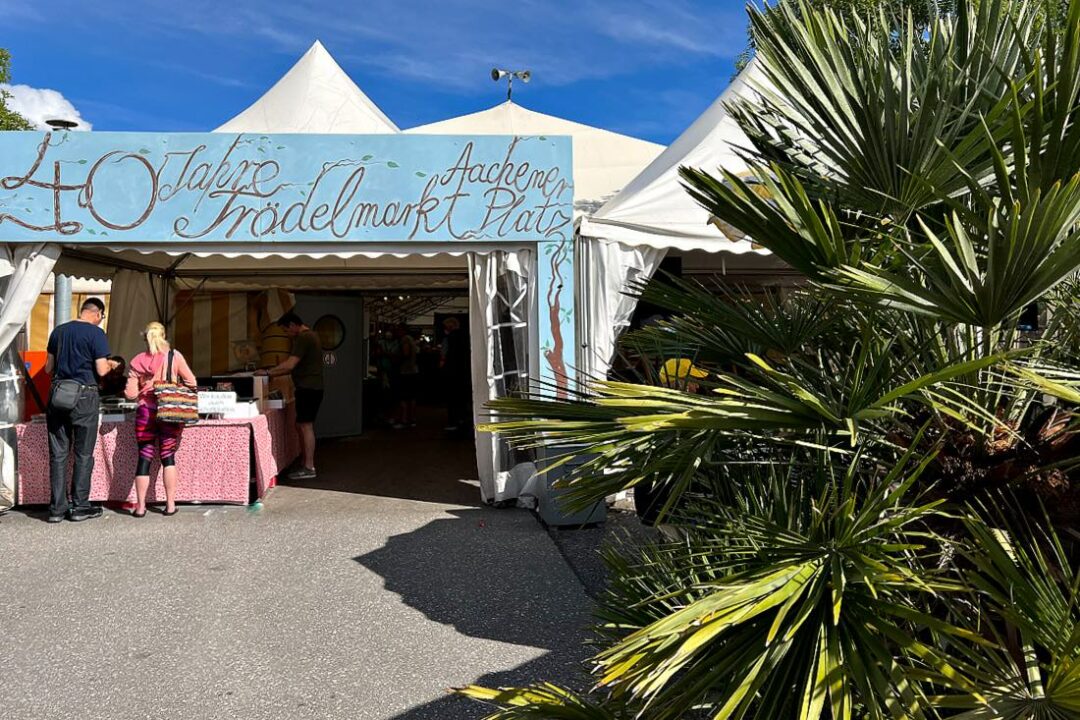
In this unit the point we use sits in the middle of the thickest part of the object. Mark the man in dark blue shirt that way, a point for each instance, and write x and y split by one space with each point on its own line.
79 352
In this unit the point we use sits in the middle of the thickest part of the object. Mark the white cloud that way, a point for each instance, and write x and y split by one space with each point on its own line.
40 104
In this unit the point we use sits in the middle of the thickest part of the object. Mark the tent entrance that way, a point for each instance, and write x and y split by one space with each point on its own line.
397 417
221 307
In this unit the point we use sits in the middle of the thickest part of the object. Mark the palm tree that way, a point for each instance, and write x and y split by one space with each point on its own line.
878 471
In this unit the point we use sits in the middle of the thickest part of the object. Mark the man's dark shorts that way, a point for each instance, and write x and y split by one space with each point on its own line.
307 404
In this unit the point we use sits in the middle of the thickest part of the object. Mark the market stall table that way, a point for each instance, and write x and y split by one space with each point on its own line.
217 459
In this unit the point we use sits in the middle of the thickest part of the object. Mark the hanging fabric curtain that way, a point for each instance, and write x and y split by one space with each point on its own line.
607 273
501 300
133 293
23 272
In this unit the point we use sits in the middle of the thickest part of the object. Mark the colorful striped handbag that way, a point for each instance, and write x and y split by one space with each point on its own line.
176 402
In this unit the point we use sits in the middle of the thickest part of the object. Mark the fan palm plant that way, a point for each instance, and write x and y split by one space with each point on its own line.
832 475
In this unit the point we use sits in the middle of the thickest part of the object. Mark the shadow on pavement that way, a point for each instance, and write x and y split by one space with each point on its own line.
467 571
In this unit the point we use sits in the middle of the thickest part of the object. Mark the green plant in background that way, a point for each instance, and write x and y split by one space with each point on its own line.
923 12
876 486
9 119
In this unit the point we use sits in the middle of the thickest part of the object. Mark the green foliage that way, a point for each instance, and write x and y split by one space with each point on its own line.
542 702
923 12
877 484
9 119
1031 585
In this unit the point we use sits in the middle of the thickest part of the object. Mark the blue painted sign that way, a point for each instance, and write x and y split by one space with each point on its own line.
187 188
167 187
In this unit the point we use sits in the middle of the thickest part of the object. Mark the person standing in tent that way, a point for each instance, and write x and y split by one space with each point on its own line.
305 364
159 362
457 374
78 354
408 377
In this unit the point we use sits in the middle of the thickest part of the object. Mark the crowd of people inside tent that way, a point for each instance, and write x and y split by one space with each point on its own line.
410 367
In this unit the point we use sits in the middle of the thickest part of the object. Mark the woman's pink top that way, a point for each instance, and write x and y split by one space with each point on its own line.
146 369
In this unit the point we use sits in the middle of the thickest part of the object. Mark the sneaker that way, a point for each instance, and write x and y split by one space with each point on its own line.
303 474
85 514
55 519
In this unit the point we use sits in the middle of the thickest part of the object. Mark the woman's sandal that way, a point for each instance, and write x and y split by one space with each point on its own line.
174 511
136 514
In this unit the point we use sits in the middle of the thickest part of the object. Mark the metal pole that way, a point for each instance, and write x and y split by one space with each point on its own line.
61 300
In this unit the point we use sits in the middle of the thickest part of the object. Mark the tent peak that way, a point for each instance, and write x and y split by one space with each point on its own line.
315 96
654 208
604 161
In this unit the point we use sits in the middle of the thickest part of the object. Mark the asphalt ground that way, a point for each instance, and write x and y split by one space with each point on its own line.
365 594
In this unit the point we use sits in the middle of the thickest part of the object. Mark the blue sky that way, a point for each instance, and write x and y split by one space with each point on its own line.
642 67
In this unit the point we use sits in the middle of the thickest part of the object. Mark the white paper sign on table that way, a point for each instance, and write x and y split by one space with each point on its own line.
214 402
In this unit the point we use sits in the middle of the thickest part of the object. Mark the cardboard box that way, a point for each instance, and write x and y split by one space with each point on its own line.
243 411
260 388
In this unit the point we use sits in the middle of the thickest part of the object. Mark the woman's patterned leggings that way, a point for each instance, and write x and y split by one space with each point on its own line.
154 436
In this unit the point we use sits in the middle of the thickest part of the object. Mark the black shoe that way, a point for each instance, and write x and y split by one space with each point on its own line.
55 519
86 514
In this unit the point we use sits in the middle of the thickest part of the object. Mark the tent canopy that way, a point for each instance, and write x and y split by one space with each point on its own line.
603 161
654 208
315 96
318 266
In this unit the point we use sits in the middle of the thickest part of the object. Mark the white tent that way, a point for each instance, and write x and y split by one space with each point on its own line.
654 209
626 239
604 161
315 96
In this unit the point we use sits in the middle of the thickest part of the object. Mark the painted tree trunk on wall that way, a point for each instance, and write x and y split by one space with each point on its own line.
557 346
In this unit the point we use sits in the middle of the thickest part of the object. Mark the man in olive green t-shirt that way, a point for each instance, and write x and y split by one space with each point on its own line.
305 364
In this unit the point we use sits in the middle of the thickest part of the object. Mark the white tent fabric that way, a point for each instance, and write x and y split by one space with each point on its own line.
79 286
655 210
315 96
23 272
501 300
604 161
626 238
608 270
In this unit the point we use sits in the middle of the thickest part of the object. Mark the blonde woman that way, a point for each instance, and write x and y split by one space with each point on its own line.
146 369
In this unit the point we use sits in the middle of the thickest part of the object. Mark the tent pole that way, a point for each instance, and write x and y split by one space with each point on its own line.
61 299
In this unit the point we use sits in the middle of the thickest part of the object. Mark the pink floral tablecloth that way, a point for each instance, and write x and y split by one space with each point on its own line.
218 459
